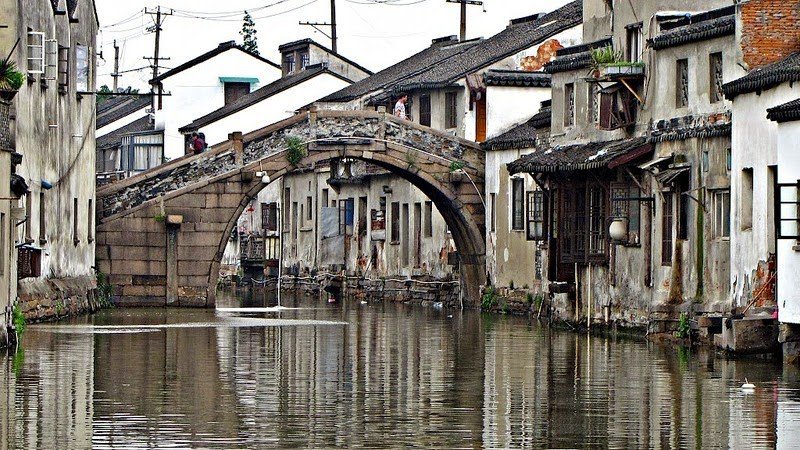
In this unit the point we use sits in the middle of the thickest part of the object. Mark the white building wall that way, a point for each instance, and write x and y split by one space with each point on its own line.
510 106
276 108
198 91
788 258
754 145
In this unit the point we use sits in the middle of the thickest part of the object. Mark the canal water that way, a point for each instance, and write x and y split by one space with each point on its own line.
319 375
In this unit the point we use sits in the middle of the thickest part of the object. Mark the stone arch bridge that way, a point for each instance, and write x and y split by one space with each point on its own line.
161 234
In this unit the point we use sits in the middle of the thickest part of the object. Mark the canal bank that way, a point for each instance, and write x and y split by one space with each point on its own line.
742 333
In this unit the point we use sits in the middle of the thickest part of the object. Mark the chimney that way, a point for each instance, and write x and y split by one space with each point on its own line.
770 30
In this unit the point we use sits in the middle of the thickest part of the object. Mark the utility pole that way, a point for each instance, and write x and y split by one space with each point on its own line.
116 75
333 37
159 20
464 4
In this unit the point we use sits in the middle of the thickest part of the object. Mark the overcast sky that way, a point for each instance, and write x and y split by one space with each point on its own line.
374 33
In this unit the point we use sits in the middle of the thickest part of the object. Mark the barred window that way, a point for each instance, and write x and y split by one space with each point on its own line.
517 204
625 205
715 67
667 219
682 83
536 216
451 119
722 213
569 104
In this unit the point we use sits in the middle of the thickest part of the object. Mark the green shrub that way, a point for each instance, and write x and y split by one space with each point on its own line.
455 166
489 298
160 218
104 290
10 78
296 151
683 326
19 320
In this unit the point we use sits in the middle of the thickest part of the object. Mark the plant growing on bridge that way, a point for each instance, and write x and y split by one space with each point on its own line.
455 166
104 290
160 217
296 151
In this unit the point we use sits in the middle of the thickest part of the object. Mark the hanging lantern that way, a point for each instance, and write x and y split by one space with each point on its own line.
618 231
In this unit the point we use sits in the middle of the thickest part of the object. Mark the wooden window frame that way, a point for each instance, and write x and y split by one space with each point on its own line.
715 75
425 110
394 229
682 83
625 204
36 64
667 224
722 227
787 210
537 215
428 226
569 105
63 69
451 110
517 204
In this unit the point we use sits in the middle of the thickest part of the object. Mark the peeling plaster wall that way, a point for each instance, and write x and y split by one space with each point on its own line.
754 145
507 107
55 133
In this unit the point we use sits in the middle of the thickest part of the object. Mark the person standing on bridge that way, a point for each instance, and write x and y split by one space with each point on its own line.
197 144
400 107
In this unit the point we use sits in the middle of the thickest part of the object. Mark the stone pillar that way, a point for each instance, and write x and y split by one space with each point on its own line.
238 147
173 229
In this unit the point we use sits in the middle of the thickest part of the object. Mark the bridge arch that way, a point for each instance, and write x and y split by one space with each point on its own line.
161 234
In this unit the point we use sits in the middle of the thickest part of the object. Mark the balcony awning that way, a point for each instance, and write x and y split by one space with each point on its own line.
581 157
669 175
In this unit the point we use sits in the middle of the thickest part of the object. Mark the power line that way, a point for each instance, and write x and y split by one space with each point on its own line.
332 25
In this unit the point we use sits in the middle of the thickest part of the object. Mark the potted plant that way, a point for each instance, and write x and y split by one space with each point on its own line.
10 78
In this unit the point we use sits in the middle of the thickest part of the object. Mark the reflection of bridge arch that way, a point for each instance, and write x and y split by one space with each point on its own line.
201 197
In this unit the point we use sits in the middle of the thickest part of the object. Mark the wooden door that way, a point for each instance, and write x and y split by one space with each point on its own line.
480 119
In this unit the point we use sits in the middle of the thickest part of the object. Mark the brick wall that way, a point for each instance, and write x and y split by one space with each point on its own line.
770 30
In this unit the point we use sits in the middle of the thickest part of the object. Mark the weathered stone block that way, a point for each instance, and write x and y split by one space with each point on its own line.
199 255
192 268
200 239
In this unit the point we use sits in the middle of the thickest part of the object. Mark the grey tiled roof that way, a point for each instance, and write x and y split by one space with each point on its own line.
441 49
221 48
519 78
259 95
113 138
766 77
709 29
119 106
575 57
308 41
786 112
688 127
578 157
517 37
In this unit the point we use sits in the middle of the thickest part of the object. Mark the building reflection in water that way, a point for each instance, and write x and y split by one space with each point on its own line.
395 376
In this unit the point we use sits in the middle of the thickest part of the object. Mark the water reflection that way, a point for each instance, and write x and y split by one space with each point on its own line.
375 376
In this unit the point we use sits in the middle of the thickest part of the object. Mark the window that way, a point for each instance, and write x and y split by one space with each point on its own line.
728 159
75 239
82 69
304 60
618 108
788 211
405 251
362 216
428 219
706 161
63 69
633 49
493 203
235 90
667 216
597 221
295 221
51 60
42 230
536 216
569 104
625 205
395 231
3 240
325 196
683 188
287 198
142 151
346 216
682 83
28 217
90 222
715 77
517 204
746 201
450 117
722 214
288 63
425 110
309 208
36 52
269 217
